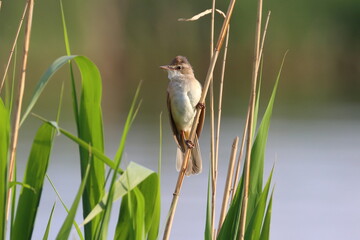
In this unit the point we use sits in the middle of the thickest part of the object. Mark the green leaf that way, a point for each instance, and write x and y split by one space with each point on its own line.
40 86
66 227
131 220
66 209
4 147
265 231
230 226
258 153
46 234
24 185
91 131
100 156
254 228
104 222
131 178
208 229
34 176
150 189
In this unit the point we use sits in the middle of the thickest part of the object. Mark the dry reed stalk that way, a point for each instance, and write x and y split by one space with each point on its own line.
236 179
217 142
14 45
196 119
16 123
229 177
212 129
251 122
238 165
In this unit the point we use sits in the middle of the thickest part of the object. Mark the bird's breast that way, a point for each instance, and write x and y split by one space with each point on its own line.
184 96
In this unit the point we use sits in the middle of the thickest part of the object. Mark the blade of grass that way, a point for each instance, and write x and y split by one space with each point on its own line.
66 209
66 227
258 151
104 222
230 226
253 230
91 131
100 156
208 229
4 148
136 174
45 78
46 234
265 231
34 176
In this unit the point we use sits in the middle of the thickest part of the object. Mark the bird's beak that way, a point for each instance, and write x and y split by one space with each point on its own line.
165 67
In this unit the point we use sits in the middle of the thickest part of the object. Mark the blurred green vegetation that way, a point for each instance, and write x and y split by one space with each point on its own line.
128 40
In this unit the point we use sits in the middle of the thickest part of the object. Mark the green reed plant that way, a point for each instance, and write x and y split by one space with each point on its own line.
140 185
104 180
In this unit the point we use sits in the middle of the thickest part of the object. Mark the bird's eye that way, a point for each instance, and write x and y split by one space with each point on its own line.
178 67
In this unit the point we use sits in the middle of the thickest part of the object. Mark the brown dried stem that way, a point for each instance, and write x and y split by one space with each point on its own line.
196 119
236 179
14 45
227 189
251 122
238 165
212 129
16 124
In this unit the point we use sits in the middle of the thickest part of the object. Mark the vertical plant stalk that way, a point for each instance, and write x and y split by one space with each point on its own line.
212 129
229 177
218 46
16 124
251 123
217 140
238 164
14 44
236 179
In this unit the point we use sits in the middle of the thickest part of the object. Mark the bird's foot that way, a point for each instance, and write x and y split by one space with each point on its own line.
189 144
200 106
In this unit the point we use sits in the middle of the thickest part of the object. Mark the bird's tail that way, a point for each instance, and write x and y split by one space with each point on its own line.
194 164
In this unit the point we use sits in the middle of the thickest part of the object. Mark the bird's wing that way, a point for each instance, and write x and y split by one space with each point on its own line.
177 136
201 122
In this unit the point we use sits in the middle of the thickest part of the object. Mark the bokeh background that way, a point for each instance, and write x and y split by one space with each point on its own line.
315 136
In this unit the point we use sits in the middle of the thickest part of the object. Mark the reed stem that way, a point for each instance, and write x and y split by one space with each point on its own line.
14 45
16 123
251 122
229 177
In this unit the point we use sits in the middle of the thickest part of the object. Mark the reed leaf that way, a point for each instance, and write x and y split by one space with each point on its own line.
46 234
229 229
34 176
66 226
208 229
4 147
265 231
253 230
66 209
104 222
134 175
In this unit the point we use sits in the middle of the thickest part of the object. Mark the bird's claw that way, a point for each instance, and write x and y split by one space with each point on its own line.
190 144
200 105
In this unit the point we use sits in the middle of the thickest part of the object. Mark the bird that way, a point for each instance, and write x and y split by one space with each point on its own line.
183 96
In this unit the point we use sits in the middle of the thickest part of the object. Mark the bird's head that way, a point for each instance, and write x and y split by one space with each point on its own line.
178 67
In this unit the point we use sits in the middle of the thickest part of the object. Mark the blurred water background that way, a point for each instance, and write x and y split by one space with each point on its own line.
315 134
